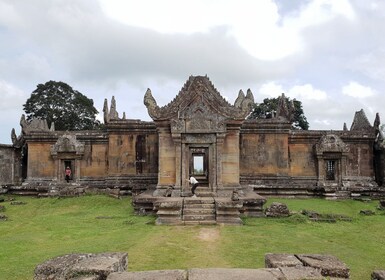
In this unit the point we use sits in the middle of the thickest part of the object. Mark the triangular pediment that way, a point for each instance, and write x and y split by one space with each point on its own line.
198 98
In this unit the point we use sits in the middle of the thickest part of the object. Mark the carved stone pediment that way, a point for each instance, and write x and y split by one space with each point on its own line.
331 143
34 125
199 106
67 144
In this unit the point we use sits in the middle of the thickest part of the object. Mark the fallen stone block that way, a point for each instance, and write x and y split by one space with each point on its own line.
18 203
281 260
301 273
3 217
147 275
329 265
87 266
378 275
277 209
367 212
235 273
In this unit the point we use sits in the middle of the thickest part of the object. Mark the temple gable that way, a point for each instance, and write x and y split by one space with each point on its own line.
199 99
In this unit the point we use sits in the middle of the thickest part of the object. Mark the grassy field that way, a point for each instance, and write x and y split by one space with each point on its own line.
48 227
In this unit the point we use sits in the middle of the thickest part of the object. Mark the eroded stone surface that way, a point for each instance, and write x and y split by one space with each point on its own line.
301 273
73 266
378 275
147 275
234 273
328 264
281 260
277 209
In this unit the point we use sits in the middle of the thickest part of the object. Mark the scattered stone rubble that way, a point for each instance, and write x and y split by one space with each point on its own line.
113 266
330 218
367 212
381 205
277 209
378 275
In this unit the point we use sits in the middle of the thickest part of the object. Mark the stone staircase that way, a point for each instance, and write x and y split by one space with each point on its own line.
199 211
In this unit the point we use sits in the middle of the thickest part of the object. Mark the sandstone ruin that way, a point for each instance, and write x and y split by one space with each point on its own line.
235 159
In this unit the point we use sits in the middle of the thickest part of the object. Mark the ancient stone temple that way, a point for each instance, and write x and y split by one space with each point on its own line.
198 133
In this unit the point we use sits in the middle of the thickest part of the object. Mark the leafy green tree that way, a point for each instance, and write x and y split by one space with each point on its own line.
265 111
57 102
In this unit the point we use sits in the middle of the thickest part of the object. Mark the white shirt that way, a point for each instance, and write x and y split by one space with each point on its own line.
193 180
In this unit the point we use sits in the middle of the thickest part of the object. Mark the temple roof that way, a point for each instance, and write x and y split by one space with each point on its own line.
360 122
198 91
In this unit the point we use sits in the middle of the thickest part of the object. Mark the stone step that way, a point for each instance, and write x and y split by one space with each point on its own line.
198 211
199 217
192 223
198 200
205 206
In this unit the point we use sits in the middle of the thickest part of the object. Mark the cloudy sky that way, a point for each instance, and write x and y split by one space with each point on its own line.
329 54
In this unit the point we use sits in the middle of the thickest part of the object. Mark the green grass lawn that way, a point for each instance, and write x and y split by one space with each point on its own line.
48 227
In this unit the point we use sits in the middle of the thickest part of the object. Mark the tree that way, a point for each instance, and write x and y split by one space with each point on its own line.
265 111
57 102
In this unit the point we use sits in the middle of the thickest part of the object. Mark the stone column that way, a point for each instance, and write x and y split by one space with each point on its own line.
178 160
185 166
219 152
166 175
77 171
320 174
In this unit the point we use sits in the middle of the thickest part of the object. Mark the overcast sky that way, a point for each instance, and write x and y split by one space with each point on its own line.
329 54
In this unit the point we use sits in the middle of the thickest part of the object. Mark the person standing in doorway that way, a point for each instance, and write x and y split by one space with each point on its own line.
194 184
68 174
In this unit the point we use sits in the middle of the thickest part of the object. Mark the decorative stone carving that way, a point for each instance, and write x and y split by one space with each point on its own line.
361 123
111 114
285 110
152 107
17 141
67 144
199 91
33 125
331 143
105 112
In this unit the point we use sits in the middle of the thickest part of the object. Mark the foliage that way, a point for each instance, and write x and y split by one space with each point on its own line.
57 102
44 228
264 111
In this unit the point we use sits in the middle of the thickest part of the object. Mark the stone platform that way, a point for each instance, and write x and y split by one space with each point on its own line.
178 210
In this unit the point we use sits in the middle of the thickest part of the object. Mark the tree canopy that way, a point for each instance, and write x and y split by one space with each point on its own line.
57 102
264 111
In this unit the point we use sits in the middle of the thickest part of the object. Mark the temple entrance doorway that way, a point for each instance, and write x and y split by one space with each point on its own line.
199 165
71 165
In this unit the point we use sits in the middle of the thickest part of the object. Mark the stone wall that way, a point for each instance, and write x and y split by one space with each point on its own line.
7 165
40 163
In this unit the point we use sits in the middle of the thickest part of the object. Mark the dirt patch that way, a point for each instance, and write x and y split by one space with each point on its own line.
209 234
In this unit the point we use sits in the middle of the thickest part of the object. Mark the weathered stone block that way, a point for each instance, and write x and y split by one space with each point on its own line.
277 209
73 266
378 275
281 260
329 265
147 275
231 274
301 273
